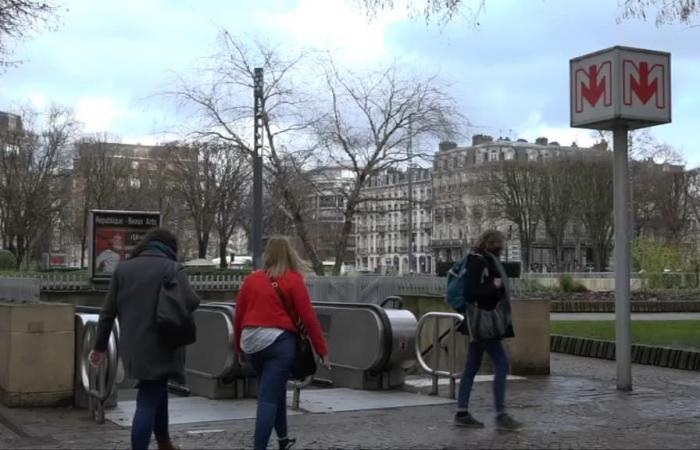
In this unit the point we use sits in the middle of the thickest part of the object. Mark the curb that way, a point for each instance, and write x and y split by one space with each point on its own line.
641 354
563 306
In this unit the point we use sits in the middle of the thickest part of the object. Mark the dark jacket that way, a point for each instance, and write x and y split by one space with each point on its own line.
133 296
480 291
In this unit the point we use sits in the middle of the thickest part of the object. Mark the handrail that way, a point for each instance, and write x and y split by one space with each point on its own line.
435 373
99 382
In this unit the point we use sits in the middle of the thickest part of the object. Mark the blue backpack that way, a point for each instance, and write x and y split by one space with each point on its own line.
455 285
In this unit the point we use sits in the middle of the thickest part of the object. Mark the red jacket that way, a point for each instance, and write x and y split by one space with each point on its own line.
258 305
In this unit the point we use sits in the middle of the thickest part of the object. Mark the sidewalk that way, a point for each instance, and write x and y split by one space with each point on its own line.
576 407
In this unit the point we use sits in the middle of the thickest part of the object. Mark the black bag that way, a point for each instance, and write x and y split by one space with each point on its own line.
305 362
174 319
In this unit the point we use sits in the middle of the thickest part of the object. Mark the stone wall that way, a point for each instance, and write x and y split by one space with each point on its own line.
37 352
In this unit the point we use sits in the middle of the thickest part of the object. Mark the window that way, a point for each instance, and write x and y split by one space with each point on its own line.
493 156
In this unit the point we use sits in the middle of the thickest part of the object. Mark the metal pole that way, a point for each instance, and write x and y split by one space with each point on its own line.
453 359
436 356
410 196
623 352
257 218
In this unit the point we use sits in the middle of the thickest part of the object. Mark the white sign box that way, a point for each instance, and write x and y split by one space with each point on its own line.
620 85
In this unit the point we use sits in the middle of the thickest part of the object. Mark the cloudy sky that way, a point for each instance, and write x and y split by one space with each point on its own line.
509 73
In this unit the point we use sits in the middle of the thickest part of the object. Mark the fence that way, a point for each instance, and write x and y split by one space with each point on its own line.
19 289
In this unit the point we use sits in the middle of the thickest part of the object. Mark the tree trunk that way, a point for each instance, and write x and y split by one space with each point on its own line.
202 244
222 253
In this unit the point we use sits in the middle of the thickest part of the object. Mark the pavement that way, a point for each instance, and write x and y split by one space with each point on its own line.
576 407
635 316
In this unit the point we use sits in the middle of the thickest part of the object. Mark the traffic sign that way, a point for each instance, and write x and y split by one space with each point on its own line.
620 86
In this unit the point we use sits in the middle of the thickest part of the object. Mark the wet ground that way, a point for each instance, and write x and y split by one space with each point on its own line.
576 407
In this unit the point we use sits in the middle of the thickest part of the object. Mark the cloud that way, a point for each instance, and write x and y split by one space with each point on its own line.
98 114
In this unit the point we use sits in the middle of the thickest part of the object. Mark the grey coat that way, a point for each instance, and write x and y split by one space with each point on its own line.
133 296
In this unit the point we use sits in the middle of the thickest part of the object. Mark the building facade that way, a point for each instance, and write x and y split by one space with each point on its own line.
389 216
460 214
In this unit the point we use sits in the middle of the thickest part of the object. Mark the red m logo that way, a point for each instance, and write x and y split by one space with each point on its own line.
642 81
592 84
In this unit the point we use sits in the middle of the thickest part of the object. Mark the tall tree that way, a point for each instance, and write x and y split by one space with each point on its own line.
556 202
513 188
233 179
221 97
371 120
196 166
33 168
593 182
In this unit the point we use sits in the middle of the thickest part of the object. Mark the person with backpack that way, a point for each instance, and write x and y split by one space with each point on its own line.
143 288
478 288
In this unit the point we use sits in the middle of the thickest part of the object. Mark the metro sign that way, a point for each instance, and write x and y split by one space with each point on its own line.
620 85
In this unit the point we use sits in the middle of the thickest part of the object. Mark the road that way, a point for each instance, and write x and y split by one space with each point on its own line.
635 316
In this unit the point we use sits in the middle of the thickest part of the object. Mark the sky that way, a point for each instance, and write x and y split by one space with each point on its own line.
509 72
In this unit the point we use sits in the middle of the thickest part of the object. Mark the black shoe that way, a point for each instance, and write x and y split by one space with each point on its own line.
466 420
179 389
506 423
286 444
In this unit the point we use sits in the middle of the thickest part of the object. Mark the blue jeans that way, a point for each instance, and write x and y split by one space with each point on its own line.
151 416
500 363
272 366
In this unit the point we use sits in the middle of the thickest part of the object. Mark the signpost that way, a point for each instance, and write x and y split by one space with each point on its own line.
621 89
112 235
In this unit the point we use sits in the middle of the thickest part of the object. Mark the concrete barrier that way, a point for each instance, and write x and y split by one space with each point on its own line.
37 352
529 350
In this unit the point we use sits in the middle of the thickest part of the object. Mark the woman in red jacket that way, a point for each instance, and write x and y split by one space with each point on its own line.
266 334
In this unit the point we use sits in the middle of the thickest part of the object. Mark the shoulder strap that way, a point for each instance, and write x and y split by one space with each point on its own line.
296 320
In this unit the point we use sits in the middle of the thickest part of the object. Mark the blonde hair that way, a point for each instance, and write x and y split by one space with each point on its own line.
487 238
281 257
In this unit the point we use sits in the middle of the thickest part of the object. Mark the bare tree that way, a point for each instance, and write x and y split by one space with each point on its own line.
195 165
556 202
18 18
593 183
222 99
33 168
101 172
513 189
233 179
664 11
371 121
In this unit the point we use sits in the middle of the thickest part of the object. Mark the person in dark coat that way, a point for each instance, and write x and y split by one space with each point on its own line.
486 290
132 298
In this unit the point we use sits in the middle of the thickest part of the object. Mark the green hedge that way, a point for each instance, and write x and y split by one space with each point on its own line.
7 260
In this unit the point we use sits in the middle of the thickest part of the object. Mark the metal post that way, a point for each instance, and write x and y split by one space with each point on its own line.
410 197
257 218
436 355
296 399
453 359
623 352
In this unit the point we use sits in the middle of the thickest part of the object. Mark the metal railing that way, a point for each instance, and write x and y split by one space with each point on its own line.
98 382
434 372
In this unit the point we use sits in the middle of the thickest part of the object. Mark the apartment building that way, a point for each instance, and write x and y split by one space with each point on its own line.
394 228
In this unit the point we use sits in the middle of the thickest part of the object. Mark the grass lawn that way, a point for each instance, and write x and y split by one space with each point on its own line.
684 334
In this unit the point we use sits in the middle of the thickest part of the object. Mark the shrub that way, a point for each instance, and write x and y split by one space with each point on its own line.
7 260
568 284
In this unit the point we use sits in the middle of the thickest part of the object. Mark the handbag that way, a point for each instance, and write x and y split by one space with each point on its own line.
305 362
174 320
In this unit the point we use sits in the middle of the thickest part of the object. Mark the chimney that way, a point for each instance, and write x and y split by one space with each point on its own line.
554 143
479 139
522 140
447 145
541 141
